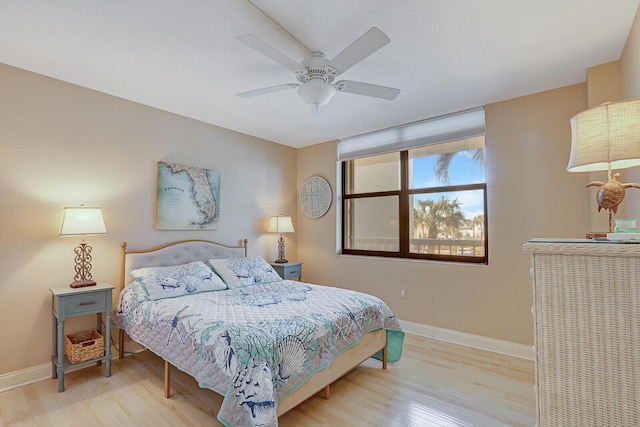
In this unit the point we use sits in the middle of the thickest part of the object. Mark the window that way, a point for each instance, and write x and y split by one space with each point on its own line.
426 198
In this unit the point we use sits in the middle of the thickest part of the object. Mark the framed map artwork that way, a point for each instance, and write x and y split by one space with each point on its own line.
188 198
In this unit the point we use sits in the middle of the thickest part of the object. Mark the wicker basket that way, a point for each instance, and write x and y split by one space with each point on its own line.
83 346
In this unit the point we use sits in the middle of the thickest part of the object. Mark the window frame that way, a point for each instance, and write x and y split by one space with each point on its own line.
404 209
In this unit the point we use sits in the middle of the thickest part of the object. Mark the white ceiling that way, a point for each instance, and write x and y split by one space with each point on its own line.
182 56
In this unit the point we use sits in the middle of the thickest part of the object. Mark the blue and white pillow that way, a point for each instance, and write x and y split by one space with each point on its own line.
178 280
239 272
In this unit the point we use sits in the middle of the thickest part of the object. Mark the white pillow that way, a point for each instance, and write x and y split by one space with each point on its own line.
239 272
178 280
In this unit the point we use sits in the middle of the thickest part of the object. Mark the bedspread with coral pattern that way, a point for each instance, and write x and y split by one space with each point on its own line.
257 344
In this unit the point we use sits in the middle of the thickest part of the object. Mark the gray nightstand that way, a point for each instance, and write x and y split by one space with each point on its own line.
69 302
288 270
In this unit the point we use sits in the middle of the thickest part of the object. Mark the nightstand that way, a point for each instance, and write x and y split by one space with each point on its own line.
288 270
69 302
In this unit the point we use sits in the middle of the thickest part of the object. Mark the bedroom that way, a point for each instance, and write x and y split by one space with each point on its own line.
65 145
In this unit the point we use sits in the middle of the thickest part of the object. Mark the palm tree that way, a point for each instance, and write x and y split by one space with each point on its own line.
444 160
439 215
478 221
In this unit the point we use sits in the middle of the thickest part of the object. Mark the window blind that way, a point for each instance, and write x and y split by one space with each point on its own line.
464 124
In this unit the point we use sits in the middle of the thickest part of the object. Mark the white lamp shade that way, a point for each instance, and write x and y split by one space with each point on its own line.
82 221
281 224
606 135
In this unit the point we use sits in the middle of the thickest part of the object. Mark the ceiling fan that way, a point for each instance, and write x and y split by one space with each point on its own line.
316 73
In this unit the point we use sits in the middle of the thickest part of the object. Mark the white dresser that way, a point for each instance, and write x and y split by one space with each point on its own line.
587 332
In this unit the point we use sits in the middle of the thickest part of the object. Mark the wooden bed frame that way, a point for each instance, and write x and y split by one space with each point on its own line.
185 251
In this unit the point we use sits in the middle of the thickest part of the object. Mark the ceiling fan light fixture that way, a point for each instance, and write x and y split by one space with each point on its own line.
316 92
316 73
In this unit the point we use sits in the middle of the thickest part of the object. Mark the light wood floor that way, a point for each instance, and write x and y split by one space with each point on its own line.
434 384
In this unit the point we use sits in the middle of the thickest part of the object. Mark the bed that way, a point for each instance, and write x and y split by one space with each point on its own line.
228 320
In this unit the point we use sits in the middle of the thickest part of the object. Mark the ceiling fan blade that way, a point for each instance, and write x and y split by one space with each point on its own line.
367 89
269 51
269 89
364 46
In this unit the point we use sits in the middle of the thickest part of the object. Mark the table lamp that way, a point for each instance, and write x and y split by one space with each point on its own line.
605 138
281 224
82 221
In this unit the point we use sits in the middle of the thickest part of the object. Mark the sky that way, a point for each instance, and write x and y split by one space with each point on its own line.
462 170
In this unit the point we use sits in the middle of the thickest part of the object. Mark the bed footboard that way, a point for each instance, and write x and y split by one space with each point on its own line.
370 344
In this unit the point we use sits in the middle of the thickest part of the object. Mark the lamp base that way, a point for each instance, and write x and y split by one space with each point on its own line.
281 261
82 284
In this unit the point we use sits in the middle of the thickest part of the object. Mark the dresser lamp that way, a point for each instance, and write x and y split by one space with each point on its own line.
281 224
82 221
605 138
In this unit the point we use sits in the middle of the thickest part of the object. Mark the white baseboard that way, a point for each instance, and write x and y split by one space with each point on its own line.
521 351
24 376
34 374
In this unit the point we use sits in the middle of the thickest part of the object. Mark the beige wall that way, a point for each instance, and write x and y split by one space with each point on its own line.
63 145
631 89
530 194
631 62
604 83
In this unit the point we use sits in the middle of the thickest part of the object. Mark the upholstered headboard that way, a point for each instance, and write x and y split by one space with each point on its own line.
174 253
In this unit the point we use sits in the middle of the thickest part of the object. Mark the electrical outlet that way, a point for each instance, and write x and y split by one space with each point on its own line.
403 293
